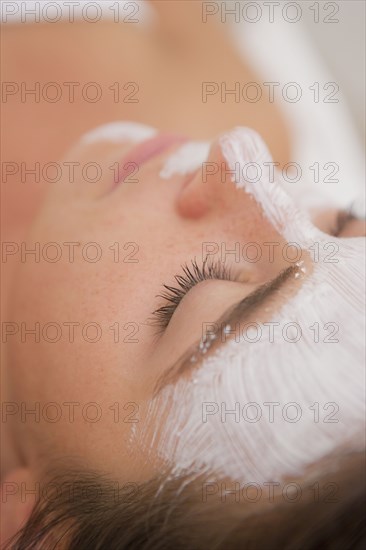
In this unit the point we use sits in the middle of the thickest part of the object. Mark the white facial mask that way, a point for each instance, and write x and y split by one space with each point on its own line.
186 159
291 402
119 132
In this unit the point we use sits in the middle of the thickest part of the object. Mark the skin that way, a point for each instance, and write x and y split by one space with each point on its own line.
160 216
105 214
105 293
168 65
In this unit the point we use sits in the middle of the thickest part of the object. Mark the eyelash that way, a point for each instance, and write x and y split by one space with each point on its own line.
191 275
194 274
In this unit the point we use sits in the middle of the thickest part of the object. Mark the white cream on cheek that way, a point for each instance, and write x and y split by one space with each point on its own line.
276 374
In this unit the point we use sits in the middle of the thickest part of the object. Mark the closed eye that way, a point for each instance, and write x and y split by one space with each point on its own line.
343 218
191 275
240 312
348 225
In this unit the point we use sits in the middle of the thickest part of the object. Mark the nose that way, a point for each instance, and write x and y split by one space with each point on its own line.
215 202
238 179
211 189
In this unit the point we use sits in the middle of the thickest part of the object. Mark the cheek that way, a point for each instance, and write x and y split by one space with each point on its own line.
74 322
87 309
71 348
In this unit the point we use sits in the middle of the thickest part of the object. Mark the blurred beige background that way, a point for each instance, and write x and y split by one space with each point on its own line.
342 46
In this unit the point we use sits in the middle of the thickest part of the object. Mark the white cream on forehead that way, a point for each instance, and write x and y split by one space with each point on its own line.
306 373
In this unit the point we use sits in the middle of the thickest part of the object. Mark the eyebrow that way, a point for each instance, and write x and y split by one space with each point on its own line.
239 312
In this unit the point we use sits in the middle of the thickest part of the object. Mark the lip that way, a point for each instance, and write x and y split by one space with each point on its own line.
145 151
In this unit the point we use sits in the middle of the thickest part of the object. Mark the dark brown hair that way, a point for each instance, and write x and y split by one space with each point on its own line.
86 510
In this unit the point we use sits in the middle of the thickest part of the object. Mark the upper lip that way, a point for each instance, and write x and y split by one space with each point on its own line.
146 150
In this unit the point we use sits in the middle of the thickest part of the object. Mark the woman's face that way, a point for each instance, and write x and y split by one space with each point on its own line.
90 339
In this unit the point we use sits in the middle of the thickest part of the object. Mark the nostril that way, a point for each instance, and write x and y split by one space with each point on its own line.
191 201
211 187
199 188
